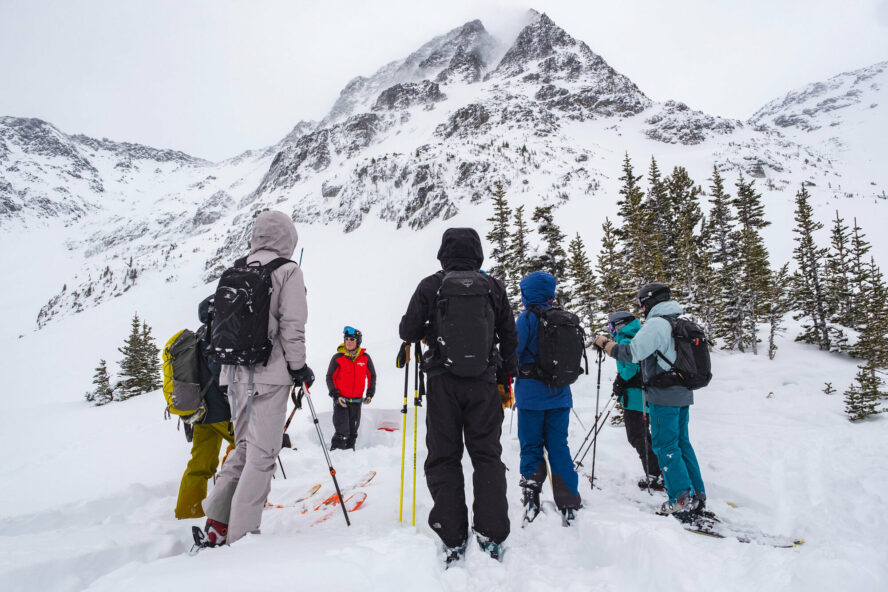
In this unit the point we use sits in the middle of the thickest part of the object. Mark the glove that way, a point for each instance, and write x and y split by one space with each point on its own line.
302 376
342 402
619 387
600 341
367 400
505 394
403 355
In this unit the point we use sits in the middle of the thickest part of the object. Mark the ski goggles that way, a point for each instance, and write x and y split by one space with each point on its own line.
350 332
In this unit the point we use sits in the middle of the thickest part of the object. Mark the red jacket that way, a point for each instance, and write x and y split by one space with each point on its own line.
347 376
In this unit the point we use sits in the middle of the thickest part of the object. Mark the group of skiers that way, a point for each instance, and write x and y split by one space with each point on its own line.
475 350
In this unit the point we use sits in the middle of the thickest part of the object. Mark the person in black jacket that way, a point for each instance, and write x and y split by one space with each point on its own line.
460 406
209 433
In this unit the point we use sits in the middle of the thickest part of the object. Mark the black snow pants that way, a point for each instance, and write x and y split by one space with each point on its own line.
345 423
637 432
469 407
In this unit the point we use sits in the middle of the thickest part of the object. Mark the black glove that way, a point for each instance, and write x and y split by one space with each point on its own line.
367 399
619 387
403 355
302 375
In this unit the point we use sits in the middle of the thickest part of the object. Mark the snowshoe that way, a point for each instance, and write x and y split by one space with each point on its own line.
453 554
531 503
495 550
214 535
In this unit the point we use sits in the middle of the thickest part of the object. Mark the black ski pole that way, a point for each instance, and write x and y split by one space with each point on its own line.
644 424
593 433
314 416
595 441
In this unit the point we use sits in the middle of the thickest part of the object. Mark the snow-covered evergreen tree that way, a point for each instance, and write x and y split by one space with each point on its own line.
662 221
519 258
752 263
778 307
131 366
838 274
611 287
584 301
862 397
684 193
635 235
723 245
860 247
102 393
553 258
809 293
150 378
499 234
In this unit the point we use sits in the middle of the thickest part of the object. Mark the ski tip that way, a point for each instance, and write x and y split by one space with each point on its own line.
732 504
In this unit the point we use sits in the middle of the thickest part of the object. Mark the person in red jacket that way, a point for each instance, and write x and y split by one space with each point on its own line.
350 371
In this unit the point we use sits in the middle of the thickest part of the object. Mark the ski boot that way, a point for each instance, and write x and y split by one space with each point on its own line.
683 508
453 554
495 550
214 534
531 502
568 515
654 483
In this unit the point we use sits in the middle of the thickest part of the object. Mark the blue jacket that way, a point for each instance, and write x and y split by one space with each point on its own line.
628 370
537 290
656 335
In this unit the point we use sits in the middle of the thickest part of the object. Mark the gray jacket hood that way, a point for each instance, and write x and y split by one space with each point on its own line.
274 231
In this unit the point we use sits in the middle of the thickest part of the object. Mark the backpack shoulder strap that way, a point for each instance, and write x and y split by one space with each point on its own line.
240 262
275 263
672 322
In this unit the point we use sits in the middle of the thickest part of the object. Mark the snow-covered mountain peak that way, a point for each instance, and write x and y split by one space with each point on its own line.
827 103
460 55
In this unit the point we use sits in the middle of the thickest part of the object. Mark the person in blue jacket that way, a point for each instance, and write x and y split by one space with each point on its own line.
543 411
628 389
669 405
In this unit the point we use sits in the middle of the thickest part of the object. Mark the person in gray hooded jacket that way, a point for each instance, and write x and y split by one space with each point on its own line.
234 507
669 406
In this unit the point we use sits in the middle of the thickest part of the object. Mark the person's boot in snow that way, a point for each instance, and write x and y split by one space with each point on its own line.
568 515
655 483
453 554
214 534
683 507
495 550
531 502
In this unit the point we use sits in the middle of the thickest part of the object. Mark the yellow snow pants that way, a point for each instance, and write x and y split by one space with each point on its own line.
205 447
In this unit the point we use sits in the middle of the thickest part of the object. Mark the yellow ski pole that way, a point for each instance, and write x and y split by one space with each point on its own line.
404 430
416 403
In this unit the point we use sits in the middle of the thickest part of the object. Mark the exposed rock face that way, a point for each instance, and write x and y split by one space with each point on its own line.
823 104
675 123
407 95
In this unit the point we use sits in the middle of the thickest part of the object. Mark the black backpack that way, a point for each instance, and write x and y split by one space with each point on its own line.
692 368
465 322
562 347
241 308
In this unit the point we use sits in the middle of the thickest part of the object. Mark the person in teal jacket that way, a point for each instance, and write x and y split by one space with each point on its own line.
669 406
627 388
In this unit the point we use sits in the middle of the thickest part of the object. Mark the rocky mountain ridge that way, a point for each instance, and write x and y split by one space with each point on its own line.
418 140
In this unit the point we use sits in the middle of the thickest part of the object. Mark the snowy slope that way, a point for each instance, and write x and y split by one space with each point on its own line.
88 493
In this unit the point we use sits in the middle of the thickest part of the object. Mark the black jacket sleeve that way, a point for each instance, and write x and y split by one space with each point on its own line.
415 322
371 388
506 331
331 370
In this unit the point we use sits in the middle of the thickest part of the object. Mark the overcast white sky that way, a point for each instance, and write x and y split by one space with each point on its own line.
216 77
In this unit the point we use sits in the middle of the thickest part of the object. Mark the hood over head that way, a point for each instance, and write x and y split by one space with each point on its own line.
538 289
274 231
204 308
460 250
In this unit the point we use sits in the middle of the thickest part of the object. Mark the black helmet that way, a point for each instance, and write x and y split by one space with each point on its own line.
652 294
351 332
618 320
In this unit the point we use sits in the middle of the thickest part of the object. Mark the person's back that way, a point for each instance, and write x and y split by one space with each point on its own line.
460 406
258 394
668 405
543 410
211 431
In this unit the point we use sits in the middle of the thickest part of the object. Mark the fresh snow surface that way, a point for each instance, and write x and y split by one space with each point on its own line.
88 493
